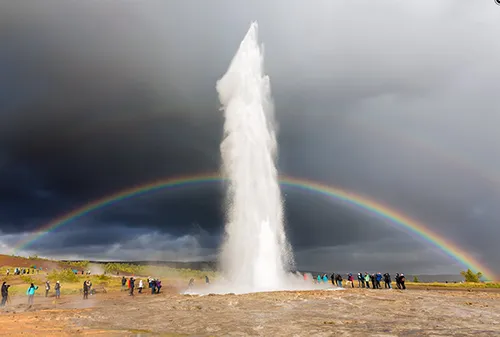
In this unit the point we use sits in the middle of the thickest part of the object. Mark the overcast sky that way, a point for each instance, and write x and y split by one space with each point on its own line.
397 101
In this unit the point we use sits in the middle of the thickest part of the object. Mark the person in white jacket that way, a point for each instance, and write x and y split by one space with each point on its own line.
140 286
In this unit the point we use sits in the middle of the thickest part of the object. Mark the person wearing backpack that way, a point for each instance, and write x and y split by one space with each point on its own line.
339 280
402 280
387 281
361 280
47 288
57 288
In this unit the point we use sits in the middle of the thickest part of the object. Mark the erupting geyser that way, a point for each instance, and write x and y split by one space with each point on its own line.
255 253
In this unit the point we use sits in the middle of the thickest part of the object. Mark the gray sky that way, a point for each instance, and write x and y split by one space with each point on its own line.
393 100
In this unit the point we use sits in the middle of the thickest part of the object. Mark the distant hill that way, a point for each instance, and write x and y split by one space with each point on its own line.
195 265
30 262
16 261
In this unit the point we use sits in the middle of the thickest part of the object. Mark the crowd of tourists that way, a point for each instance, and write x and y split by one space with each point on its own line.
364 280
24 271
130 285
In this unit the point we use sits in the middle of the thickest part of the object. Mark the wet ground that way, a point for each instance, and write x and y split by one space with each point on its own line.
350 312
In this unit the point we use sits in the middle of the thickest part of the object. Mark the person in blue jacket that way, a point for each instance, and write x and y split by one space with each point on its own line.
378 278
31 293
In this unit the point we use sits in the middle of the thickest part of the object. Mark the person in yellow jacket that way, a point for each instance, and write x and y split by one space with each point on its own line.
367 280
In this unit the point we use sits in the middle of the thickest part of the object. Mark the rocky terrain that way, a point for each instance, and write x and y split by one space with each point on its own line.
349 312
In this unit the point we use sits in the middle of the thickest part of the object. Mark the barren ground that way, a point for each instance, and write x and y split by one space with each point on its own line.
350 312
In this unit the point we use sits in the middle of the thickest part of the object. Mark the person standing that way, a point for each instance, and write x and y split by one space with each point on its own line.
124 282
351 279
57 288
339 280
47 288
398 284
85 290
325 278
361 281
378 278
132 286
387 281
5 293
402 281
141 285
31 293
153 286
367 280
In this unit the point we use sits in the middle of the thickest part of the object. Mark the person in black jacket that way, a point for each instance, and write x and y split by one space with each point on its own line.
402 281
387 281
361 280
398 283
86 290
132 286
373 279
338 278
5 293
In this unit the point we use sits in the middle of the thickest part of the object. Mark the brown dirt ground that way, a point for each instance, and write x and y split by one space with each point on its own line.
351 312
22 262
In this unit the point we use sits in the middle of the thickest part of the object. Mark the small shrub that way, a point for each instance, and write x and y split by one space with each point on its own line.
102 277
415 279
123 268
472 277
27 279
80 264
65 275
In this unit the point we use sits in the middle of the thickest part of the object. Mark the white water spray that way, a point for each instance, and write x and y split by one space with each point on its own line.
255 253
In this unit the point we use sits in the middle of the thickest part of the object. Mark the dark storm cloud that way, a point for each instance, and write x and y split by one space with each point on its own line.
386 100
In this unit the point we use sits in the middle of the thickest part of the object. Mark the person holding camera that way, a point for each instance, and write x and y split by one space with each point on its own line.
5 293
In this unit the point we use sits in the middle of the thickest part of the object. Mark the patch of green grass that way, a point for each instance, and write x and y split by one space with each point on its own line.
65 275
79 264
128 268
181 273
27 279
157 271
139 331
457 285
151 333
73 286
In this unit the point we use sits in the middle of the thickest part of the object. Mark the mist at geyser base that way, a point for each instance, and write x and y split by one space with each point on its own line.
255 255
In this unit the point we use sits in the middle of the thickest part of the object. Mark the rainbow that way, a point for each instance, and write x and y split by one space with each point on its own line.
400 220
